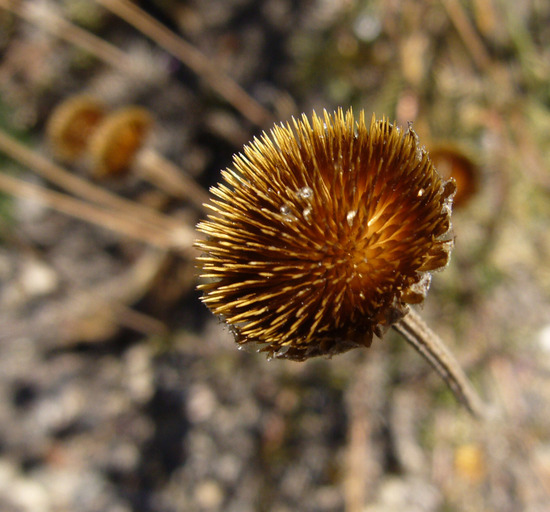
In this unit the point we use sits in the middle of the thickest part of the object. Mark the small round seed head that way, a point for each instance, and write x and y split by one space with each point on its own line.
451 161
71 124
322 232
117 140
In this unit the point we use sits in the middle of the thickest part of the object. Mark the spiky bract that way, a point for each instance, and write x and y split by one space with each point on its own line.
322 232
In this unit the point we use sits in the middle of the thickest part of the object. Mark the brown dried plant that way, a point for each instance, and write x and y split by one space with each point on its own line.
71 124
304 260
322 234
451 160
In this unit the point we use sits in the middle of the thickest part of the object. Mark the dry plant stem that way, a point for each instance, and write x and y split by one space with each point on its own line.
140 322
431 347
84 189
84 211
226 87
161 172
469 36
170 178
71 33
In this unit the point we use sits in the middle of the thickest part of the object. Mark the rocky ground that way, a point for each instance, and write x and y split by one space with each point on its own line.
120 392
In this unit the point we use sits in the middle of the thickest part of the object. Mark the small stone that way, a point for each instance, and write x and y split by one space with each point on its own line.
209 495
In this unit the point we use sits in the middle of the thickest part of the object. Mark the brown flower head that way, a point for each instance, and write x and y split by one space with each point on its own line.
451 161
117 140
71 124
322 232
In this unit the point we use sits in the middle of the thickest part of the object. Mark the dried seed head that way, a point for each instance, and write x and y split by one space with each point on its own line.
451 161
322 232
71 124
117 140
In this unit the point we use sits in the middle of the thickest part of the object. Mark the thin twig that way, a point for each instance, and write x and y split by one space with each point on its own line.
431 347
205 67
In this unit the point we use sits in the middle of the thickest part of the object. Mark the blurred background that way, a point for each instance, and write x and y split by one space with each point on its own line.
120 392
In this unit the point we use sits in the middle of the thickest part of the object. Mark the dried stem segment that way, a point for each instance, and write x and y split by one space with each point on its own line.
82 188
87 212
431 347
225 86
171 179
468 33
47 19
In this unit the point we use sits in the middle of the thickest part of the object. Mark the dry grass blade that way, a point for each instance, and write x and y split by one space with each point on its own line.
47 20
160 171
226 87
469 36
117 146
169 178
83 188
138 321
87 212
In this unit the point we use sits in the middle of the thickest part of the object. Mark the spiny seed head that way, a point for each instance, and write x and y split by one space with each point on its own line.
322 232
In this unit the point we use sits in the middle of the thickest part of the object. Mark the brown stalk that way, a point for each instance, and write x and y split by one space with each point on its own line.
85 211
166 175
205 67
138 321
417 333
169 178
116 146
323 234
468 34
84 189
153 168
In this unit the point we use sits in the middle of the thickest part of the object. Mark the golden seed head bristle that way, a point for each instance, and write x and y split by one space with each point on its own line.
322 232
452 162
117 140
71 125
